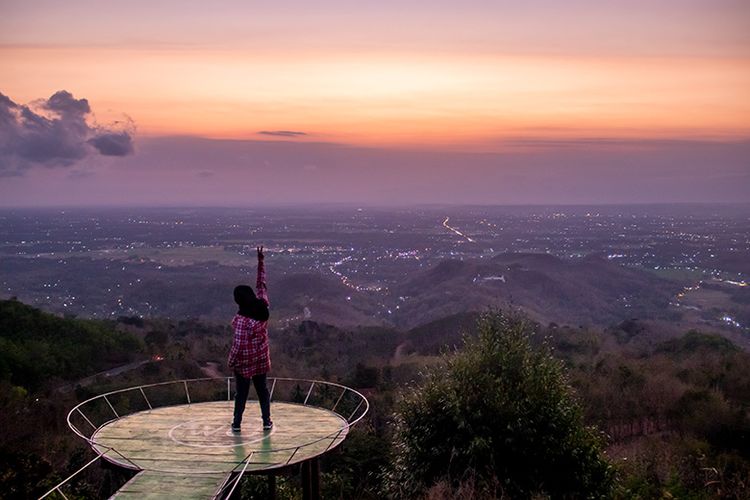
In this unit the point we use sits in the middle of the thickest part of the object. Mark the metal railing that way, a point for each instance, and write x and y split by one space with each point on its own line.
94 413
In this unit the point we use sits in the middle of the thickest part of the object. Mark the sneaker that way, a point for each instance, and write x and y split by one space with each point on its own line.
267 426
235 428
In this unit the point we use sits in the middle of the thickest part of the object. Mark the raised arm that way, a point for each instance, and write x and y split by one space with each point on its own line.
260 286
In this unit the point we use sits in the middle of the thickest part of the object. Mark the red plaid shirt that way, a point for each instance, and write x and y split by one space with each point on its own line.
249 353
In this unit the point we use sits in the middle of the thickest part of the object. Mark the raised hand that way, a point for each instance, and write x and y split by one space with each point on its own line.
260 253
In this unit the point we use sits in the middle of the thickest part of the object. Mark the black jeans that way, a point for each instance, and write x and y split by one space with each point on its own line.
243 389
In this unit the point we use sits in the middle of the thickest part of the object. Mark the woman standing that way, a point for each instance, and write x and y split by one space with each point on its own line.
249 357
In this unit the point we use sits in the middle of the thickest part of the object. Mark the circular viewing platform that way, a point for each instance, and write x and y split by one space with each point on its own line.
197 438
178 436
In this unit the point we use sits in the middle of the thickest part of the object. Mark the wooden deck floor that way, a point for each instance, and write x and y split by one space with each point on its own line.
197 439
148 485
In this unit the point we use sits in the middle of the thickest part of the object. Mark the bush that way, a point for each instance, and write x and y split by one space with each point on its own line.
501 415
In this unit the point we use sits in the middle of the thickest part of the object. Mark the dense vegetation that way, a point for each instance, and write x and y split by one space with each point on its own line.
676 415
37 347
40 355
673 408
501 415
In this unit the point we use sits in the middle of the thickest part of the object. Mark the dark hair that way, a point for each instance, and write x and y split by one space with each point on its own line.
243 294
250 305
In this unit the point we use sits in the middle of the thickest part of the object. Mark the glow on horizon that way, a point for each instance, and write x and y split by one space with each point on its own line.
383 99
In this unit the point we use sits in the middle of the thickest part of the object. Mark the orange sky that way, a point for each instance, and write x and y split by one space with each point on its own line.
386 99
408 76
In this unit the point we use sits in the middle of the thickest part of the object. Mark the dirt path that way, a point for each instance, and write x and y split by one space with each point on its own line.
399 353
212 370
107 373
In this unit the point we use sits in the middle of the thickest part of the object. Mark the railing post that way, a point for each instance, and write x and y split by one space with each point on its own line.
273 386
110 405
355 411
334 439
144 397
338 400
292 455
247 462
308 393
86 418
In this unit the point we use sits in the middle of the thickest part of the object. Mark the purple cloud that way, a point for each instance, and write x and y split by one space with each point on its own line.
113 143
54 132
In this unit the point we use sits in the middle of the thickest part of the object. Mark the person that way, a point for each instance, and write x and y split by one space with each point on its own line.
249 357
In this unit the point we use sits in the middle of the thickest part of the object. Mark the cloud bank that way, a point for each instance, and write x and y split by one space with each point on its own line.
55 132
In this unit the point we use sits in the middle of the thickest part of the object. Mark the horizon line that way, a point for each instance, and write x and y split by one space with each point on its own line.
347 204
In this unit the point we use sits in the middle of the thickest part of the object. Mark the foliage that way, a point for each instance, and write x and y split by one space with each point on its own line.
365 376
695 341
36 346
256 487
501 413
24 475
351 471
676 413
675 408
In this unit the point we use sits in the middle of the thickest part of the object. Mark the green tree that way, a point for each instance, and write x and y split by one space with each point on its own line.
500 415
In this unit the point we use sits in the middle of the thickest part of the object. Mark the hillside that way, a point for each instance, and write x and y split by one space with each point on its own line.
322 298
37 347
645 387
579 291
591 290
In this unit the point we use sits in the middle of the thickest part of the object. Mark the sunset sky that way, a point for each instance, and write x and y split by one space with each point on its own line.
226 103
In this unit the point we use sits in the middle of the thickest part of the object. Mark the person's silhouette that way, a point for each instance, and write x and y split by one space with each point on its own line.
249 357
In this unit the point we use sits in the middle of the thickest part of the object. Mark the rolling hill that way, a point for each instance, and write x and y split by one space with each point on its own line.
590 290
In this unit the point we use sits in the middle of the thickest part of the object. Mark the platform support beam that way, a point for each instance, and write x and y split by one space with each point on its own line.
305 480
272 486
311 479
315 478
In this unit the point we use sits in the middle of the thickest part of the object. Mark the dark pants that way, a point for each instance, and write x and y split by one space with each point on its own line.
240 397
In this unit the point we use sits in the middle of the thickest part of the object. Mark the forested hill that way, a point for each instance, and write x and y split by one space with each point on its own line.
37 347
673 404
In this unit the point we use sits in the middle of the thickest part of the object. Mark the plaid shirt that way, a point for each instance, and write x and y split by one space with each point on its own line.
249 353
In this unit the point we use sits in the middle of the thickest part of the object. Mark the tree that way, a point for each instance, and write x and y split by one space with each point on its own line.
501 415
365 376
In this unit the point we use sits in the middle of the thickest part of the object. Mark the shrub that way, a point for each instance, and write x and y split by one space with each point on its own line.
501 415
